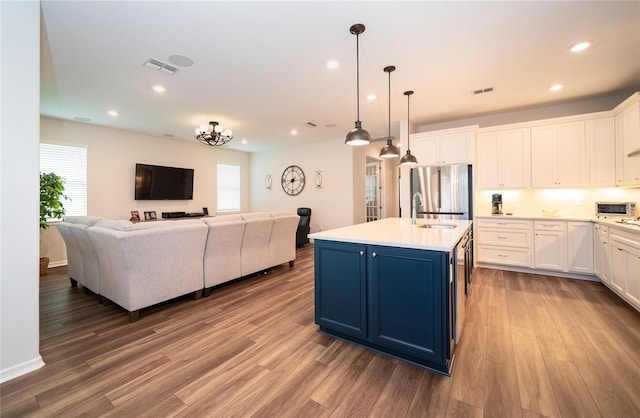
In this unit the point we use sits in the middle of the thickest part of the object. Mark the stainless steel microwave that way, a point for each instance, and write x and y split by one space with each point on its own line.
625 209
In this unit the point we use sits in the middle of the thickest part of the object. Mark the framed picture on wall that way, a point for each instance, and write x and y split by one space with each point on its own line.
152 215
135 216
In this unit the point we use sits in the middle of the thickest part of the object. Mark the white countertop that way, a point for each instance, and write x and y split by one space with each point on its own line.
541 217
399 232
611 222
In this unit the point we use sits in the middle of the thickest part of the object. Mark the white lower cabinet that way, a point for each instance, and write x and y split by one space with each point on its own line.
625 265
601 253
504 241
550 245
580 247
553 245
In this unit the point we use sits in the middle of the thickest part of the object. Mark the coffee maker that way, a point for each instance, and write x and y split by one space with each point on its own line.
496 204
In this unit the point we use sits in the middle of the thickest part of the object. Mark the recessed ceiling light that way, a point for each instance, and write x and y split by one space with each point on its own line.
556 87
113 113
159 89
332 64
293 132
580 46
371 97
244 141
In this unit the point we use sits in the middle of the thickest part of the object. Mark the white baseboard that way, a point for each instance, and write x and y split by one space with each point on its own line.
20 369
587 277
58 263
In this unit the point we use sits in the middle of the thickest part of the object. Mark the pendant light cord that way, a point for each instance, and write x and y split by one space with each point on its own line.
358 75
389 137
408 122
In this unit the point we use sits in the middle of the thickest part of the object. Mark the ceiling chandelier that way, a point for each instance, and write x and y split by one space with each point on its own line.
357 136
408 158
213 134
389 150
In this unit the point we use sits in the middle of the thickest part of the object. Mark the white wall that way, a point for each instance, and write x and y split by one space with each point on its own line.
20 100
573 202
332 205
111 158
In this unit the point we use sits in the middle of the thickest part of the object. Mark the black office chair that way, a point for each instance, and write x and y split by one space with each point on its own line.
303 226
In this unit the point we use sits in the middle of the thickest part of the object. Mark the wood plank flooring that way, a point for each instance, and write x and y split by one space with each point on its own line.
532 346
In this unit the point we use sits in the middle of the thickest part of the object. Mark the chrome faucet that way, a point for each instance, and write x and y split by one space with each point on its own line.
413 207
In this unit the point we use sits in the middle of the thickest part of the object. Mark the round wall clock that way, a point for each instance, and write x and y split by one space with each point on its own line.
293 180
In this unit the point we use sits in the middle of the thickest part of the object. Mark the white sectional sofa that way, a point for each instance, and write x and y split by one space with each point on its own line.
142 264
81 260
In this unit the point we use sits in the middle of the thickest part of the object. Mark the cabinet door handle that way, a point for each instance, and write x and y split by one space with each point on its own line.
502 237
503 256
620 249
361 252
374 255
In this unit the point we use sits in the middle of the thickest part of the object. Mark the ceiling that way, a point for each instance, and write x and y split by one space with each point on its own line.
259 68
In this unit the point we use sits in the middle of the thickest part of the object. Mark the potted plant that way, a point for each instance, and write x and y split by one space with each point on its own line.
51 195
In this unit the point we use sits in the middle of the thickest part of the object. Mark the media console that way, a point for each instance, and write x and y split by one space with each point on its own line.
176 215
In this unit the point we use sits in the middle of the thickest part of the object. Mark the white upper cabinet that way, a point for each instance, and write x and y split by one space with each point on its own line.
503 159
450 146
601 149
559 155
628 134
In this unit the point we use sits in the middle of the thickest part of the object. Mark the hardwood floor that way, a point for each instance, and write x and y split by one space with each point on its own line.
532 346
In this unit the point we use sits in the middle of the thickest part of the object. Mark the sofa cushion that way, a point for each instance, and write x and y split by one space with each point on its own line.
254 215
222 218
115 224
85 220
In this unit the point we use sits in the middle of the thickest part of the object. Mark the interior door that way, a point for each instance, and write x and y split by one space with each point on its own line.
373 203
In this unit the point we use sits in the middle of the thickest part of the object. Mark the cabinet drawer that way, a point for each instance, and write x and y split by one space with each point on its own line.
624 237
503 223
504 237
550 225
507 256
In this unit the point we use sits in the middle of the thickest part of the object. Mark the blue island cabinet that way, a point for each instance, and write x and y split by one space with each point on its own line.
389 299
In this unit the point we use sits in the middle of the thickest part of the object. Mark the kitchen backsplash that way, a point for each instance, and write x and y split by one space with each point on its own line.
568 202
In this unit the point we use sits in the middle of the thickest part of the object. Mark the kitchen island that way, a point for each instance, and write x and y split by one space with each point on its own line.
388 286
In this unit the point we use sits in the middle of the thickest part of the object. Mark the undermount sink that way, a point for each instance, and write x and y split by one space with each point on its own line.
437 226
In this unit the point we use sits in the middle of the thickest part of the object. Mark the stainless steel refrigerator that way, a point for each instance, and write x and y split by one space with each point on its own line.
446 191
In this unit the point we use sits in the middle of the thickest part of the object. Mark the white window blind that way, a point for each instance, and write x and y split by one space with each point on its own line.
70 163
228 188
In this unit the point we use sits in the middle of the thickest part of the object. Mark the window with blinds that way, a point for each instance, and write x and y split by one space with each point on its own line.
70 163
228 188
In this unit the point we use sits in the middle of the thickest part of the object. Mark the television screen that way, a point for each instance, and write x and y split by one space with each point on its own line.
154 182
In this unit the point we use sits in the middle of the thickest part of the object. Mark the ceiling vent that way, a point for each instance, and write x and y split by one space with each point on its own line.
157 65
485 90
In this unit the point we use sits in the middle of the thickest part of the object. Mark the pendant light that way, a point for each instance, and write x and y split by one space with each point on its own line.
357 136
389 150
408 159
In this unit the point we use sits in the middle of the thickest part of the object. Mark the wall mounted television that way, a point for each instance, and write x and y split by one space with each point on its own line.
155 182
